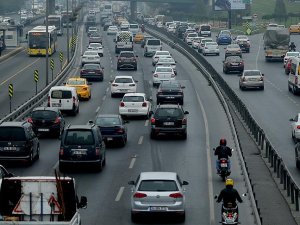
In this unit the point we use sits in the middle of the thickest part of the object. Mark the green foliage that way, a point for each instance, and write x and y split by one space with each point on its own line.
280 9
10 5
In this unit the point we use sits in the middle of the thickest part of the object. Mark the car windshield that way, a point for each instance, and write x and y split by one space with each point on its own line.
210 43
91 53
169 60
79 137
107 121
134 26
95 35
76 82
91 67
133 99
233 58
43 114
95 45
167 85
162 53
153 42
252 73
193 35
292 53
60 94
164 69
168 112
158 185
205 28
12 134
123 80
126 54
93 29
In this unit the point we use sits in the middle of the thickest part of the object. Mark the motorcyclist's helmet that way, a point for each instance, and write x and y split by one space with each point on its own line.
223 142
229 182
292 43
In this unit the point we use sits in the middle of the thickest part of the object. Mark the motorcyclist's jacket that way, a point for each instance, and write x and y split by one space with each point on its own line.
292 46
229 195
223 152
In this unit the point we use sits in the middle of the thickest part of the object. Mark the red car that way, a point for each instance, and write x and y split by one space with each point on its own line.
287 67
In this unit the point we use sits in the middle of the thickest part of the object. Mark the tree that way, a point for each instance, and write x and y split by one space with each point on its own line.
280 10
11 6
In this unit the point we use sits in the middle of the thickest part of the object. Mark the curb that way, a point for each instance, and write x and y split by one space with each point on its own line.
10 54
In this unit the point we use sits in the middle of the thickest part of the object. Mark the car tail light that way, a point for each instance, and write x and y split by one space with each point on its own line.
155 75
57 120
120 130
176 195
298 126
29 120
114 85
83 71
242 63
139 195
183 122
61 151
98 71
97 151
131 85
153 121
122 104
223 161
144 104
48 101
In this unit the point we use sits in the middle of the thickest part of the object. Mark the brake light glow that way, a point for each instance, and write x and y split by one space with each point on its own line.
97 152
120 131
144 104
153 121
57 120
29 120
298 126
122 104
176 195
61 151
139 195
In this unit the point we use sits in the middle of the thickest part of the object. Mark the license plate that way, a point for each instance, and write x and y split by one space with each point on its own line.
133 110
91 72
43 129
158 208
234 64
126 60
89 58
223 164
109 139
79 152
169 123
122 89
10 148
170 97
252 79
56 104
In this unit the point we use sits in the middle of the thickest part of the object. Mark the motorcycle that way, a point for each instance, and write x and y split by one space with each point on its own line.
229 214
223 169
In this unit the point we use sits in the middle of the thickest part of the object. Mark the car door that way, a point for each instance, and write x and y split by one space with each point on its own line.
294 123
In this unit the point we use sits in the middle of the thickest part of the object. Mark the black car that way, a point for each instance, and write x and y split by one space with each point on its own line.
113 128
233 64
4 173
92 71
127 59
169 119
180 30
170 92
18 142
82 144
106 25
143 42
244 45
47 120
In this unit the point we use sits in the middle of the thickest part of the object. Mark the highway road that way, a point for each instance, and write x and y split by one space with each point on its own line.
273 107
108 192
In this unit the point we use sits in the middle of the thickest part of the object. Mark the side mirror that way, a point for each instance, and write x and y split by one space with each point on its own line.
186 112
216 196
131 182
185 182
83 202
292 120
26 37
262 74
136 81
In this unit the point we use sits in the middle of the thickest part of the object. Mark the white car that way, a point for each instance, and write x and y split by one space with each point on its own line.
112 30
90 57
196 41
163 74
289 55
159 24
241 38
92 30
123 85
159 54
211 48
96 47
296 128
202 43
189 38
171 28
135 104
164 62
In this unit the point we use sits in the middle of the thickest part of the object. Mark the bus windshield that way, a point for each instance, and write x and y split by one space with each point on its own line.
37 40
54 22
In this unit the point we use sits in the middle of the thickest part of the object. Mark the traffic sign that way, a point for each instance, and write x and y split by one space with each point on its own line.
11 90
36 75
52 64
248 31
61 57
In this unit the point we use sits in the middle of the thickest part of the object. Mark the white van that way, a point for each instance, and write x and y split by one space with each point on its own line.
294 76
64 98
134 29
151 46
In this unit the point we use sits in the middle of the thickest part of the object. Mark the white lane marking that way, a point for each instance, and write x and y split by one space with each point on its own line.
119 195
104 97
146 123
208 158
141 140
98 108
132 163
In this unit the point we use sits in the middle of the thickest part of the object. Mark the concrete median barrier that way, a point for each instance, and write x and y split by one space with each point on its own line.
11 53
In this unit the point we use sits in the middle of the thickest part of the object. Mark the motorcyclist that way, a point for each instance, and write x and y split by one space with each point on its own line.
229 195
292 46
222 151
143 28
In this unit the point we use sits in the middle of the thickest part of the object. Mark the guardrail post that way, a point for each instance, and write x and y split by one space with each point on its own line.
281 174
279 162
292 193
284 180
297 198
288 182
275 162
271 156
267 149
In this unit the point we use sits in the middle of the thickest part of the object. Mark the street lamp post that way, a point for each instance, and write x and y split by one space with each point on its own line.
47 42
68 35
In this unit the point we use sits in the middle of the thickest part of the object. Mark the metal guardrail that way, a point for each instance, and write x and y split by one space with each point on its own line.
267 150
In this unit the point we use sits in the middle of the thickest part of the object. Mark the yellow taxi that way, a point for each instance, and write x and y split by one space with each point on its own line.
82 87
295 29
138 38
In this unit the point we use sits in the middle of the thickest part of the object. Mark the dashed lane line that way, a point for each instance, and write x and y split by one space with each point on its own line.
119 195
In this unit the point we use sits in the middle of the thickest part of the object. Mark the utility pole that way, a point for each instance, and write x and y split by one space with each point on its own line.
229 18
68 35
47 42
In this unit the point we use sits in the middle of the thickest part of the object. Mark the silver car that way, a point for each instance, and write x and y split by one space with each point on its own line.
158 192
163 74
96 47
159 54
211 48
90 57
251 79
167 62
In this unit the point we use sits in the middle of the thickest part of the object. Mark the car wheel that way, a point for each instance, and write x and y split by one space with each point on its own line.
184 136
30 160
99 166
289 88
224 70
262 88
112 95
152 135
182 218
37 156
134 217
181 102
122 142
294 90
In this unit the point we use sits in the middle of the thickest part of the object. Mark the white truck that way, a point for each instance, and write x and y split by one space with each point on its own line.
40 200
124 41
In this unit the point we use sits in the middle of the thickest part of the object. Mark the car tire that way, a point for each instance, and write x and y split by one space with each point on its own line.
112 95
262 88
224 70
153 135
184 136
134 217
181 102
289 88
182 218
37 156
99 166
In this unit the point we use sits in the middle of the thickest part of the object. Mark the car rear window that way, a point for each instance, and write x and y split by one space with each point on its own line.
163 69
60 94
168 85
107 121
123 80
79 137
168 112
205 28
135 26
153 42
12 134
233 59
162 53
91 67
126 54
252 73
133 99
91 53
158 185
43 114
